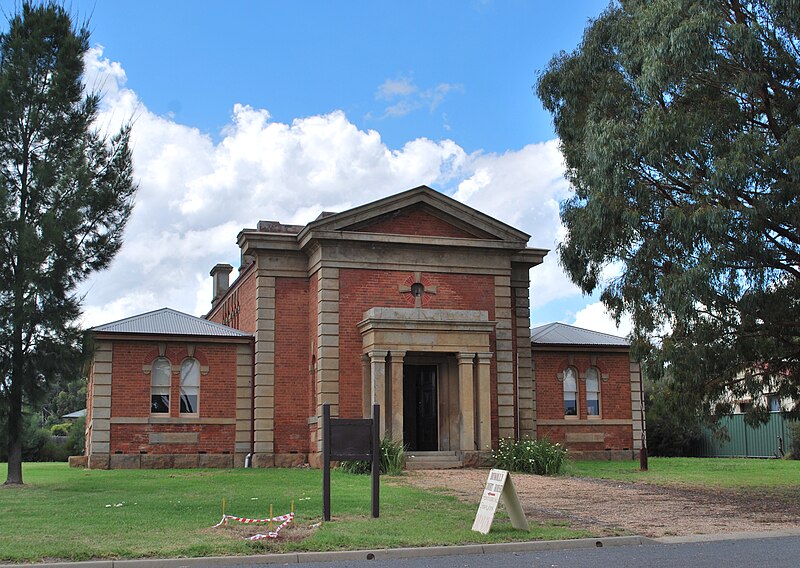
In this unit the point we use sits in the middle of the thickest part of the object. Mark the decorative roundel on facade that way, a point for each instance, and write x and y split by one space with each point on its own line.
417 290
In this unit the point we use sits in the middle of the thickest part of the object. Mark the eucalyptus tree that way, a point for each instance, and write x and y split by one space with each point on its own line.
679 122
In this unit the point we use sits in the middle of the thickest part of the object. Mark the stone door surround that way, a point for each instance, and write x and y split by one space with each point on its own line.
389 333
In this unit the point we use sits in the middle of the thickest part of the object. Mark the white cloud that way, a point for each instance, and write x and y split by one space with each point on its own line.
195 195
408 97
391 88
595 317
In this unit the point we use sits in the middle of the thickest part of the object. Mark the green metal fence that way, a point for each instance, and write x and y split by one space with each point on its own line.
746 441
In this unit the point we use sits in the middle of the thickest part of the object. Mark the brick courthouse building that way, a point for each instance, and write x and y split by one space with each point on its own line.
416 302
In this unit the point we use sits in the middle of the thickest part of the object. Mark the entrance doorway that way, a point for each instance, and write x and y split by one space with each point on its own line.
420 403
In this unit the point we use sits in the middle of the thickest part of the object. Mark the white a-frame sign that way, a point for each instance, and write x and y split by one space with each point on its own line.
499 485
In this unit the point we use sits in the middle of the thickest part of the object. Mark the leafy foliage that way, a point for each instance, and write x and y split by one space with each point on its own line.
66 192
673 427
530 456
393 460
680 127
794 449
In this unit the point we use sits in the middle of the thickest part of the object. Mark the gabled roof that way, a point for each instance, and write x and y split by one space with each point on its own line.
451 209
74 415
167 321
562 334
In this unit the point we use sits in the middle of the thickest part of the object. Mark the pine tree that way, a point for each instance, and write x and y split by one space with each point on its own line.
679 123
66 192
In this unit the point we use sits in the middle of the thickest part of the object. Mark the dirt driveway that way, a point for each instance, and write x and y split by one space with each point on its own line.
616 507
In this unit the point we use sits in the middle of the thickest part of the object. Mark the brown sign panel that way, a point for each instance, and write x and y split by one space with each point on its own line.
351 439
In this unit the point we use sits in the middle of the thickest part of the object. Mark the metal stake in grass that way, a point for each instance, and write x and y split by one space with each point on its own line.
223 507
270 517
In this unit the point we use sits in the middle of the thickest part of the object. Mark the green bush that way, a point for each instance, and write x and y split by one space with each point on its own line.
60 429
393 460
794 448
542 456
76 440
674 429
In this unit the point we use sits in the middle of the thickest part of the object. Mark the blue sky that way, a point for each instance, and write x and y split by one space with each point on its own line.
249 110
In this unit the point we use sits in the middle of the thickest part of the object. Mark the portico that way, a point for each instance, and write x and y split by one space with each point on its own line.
439 361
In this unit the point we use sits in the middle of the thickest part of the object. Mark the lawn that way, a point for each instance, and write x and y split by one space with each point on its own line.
722 473
78 514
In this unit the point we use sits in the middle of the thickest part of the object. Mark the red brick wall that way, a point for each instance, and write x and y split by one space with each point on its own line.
238 307
130 396
415 222
313 287
292 359
360 290
135 438
615 398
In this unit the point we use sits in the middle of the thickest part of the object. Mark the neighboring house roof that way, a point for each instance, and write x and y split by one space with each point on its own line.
563 334
169 322
77 414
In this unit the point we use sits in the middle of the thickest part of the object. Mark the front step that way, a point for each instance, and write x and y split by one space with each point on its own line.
433 460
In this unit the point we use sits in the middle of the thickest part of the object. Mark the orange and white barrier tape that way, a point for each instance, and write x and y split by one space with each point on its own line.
273 534
283 519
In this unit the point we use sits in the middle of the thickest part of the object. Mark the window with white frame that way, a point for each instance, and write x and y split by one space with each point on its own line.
160 375
592 392
190 385
570 392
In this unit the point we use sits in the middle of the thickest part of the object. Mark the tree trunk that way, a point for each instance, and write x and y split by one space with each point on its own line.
15 434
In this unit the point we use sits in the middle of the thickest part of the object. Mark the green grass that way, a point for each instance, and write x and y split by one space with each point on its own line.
720 473
77 514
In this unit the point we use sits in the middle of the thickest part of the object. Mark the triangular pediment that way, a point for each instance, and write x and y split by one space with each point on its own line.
421 211
419 220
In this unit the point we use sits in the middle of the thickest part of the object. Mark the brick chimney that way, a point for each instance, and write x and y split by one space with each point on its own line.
221 277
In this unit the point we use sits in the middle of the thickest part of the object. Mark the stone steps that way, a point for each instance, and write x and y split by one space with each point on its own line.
433 460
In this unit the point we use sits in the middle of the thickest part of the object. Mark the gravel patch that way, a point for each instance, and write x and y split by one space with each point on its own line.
609 508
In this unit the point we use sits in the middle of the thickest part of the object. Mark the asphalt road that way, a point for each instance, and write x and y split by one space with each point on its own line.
781 552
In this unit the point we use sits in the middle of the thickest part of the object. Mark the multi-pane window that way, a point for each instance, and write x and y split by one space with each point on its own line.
570 392
190 385
592 392
159 385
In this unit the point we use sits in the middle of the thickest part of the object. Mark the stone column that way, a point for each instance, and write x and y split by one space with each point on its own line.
377 359
466 402
484 402
264 370
639 427
98 442
504 353
526 386
327 343
397 395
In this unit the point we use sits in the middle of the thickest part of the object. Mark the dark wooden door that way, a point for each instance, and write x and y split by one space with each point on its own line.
420 416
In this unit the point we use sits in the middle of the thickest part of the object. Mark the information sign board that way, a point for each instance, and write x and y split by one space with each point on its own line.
499 485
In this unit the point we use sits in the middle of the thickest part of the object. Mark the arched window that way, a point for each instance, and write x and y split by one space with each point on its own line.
570 392
592 392
190 385
160 375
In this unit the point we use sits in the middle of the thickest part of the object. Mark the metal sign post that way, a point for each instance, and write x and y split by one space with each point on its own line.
350 439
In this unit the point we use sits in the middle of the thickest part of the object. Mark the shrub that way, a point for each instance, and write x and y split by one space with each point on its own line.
542 456
794 448
393 460
76 440
60 429
674 428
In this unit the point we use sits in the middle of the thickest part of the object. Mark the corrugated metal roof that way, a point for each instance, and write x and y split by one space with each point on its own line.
562 334
170 322
77 414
